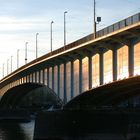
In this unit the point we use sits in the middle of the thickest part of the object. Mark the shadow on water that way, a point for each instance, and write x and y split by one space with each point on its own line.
16 131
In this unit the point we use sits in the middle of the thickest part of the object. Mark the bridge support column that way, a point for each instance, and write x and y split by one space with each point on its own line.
90 71
80 75
43 76
32 79
36 77
27 79
48 77
72 80
52 78
101 67
131 59
39 76
65 84
114 64
58 81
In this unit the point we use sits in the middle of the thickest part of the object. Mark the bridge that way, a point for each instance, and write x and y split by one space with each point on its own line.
82 65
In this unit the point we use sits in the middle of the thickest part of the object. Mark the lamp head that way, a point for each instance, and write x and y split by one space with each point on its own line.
98 19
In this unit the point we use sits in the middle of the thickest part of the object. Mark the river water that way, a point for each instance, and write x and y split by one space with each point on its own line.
16 131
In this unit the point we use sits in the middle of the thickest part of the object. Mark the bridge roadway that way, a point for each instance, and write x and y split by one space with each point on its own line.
65 71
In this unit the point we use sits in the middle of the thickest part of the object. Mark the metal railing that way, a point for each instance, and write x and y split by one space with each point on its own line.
119 25
114 27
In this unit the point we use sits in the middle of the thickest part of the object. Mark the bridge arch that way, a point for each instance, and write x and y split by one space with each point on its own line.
18 96
123 93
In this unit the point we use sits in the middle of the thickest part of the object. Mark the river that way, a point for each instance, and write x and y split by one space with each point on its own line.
16 131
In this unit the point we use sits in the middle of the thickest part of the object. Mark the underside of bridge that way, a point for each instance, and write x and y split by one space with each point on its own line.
123 93
30 96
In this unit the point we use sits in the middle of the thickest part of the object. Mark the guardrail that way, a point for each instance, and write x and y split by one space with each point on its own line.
121 24
114 27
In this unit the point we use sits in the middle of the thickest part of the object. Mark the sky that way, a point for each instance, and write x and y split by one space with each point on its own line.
20 20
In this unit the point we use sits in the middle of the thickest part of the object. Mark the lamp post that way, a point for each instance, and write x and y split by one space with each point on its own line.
51 35
37 44
17 58
65 28
7 66
3 70
11 63
26 52
94 19
98 20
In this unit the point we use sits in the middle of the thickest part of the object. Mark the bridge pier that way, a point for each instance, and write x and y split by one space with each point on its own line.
90 72
58 81
87 125
80 75
31 79
72 79
101 67
53 78
131 59
35 77
114 64
48 79
65 84
43 76
39 76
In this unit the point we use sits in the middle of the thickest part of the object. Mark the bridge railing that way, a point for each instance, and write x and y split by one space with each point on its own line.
119 25
114 27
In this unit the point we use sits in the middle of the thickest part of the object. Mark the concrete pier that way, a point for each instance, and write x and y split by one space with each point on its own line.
88 124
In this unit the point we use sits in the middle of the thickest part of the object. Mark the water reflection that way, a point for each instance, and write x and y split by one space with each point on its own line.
16 131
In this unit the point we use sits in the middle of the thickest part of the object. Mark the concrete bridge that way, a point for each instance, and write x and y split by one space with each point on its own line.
84 64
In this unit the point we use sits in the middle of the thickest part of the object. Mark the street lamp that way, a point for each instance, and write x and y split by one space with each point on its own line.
11 63
7 66
37 45
3 70
98 20
65 28
51 35
94 19
26 52
17 58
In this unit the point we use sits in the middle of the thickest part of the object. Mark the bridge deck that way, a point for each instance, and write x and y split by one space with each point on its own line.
114 34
